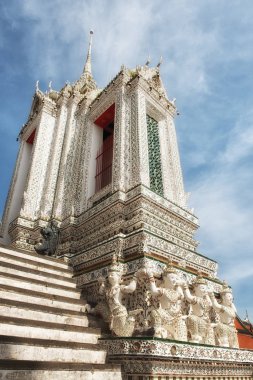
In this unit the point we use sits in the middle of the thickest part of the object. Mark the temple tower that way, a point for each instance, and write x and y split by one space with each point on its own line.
81 145
104 166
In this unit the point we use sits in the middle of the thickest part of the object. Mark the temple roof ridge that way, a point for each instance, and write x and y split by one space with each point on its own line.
152 75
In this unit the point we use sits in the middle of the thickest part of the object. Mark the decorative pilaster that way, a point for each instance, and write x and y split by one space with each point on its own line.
38 174
119 142
67 156
167 172
143 140
82 164
179 195
127 150
134 142
55 155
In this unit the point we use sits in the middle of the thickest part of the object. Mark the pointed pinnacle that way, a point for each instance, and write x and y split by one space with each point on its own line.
148 61
87 66
160 62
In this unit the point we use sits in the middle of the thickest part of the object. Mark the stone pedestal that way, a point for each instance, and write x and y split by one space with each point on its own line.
153 358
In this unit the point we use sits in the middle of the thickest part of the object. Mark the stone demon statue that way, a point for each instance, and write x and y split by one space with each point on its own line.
168 319
50 240
174 308
121 321
199 324
225 330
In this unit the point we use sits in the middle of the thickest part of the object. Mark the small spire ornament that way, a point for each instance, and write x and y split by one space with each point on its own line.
87 66
148 61
160 62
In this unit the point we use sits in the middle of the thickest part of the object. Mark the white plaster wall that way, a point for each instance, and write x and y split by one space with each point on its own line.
14 201
97 141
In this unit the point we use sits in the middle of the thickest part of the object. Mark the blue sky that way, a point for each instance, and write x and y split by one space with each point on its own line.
208 66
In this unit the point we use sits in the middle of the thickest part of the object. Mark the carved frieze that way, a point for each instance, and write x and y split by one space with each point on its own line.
152 348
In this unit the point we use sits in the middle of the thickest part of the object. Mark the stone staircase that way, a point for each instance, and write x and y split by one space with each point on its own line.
43 333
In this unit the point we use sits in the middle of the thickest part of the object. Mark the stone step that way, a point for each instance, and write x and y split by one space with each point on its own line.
18 327
7 339
36 274
43 308
43 333
30 312
34 365
37 285
51 352
35 256
33 263
14 293
32 370
84 374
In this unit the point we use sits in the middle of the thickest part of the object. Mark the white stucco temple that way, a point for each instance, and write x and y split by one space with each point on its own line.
117 288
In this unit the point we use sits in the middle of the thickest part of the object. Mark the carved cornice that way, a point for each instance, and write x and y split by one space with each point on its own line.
158 348
121 78
152 94
196 369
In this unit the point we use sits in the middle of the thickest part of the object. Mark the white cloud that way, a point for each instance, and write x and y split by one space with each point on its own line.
60 33
222 198
124 33
240 140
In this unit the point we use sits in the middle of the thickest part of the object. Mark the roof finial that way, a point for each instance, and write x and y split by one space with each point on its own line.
246 317
160 62
148 60
87 66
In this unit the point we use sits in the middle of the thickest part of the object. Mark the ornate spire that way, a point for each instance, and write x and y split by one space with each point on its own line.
86 82
87 66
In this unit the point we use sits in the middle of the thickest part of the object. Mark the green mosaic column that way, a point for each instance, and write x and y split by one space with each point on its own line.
154 154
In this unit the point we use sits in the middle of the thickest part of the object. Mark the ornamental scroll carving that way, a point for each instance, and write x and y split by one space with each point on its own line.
175 308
